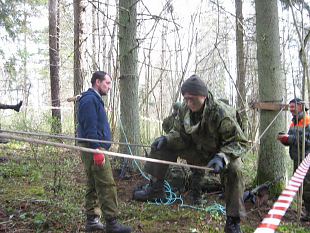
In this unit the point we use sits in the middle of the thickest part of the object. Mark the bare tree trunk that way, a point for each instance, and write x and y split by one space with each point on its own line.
79 19
271 162
241 95
54 64
94 36
129 80
112 68
25 86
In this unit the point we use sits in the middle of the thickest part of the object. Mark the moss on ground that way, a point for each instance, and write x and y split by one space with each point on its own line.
41 190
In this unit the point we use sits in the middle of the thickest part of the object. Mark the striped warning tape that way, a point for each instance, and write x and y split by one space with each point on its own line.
274 216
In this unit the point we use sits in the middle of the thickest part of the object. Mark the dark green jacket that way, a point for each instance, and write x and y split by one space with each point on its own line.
214 130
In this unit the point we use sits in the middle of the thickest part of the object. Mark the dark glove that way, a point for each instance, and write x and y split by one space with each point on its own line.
159 143
217 163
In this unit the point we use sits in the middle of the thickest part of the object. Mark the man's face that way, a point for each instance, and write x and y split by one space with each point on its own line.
194 102
104 86
295 108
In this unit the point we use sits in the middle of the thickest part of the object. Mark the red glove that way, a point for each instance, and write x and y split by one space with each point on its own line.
99 159
283 138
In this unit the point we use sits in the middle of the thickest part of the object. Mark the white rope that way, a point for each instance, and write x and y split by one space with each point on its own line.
78 148
70 137
256 142
46 107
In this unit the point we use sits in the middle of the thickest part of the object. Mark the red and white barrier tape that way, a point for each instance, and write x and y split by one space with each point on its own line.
274 216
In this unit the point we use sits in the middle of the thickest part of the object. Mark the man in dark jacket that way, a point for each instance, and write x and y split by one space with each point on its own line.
209 135
101 189
294 138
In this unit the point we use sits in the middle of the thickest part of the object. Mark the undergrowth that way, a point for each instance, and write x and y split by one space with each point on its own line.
42 190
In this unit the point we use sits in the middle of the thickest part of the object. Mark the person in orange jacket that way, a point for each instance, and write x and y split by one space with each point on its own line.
293 138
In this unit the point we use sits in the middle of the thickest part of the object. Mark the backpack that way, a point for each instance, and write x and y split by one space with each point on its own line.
178 177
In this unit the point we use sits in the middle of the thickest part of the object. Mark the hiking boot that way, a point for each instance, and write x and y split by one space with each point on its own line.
17 106
4 140
113 227
232 225
93 223
150 192
195 197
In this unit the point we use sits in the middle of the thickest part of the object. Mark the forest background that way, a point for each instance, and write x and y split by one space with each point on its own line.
50 48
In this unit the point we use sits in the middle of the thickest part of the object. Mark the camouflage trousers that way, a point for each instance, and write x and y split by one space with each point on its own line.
232 175
101 194
306 188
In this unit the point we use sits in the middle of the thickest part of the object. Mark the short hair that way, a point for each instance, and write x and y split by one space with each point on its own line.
299 101
98 75
296 101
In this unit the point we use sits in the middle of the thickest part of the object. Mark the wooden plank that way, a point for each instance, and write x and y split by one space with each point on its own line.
74 98
269 106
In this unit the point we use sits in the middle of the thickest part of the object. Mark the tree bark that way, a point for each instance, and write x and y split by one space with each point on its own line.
54 64
129 80
94 35
271 162
79 48
241 95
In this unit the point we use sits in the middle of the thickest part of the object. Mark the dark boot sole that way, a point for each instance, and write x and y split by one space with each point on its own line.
94 228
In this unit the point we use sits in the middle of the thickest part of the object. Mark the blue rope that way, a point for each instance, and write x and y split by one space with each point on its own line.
125 160
171 197
212 209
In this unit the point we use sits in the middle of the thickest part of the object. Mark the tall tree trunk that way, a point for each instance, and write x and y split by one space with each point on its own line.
94 35
79 19
129 81
271 161
112 69
241 95
54 64
25 58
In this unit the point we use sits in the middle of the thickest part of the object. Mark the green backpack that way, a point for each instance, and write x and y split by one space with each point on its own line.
178 178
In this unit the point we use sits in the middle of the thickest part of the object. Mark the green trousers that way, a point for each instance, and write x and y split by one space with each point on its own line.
231 176
101 193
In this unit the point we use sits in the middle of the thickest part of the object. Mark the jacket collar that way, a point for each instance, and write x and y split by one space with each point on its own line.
189 126
95 92
92 91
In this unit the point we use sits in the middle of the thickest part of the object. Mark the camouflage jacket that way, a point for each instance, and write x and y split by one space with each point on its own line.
215 130
168 123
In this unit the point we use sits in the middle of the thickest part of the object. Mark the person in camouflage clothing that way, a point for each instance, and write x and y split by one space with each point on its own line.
169 121
208 135
180 178
290 139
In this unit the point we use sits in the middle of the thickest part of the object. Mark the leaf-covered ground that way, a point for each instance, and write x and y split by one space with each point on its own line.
41 190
